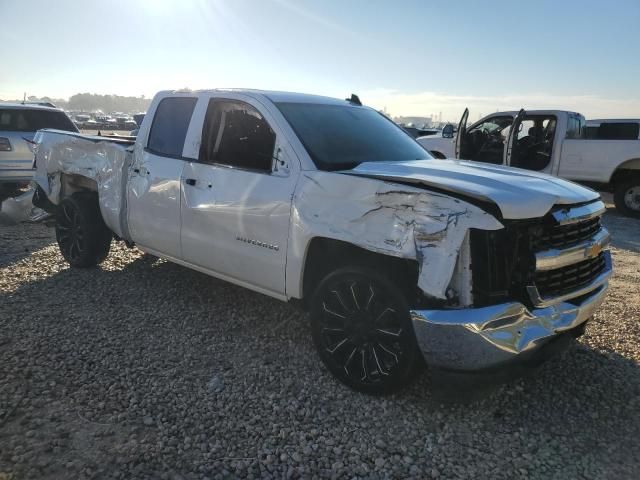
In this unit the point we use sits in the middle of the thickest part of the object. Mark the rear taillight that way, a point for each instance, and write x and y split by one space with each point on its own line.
5 145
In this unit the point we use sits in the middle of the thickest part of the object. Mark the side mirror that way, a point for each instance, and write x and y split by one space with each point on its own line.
447 131
279 166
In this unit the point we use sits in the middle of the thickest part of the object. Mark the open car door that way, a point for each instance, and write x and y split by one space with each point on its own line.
511 148
461 136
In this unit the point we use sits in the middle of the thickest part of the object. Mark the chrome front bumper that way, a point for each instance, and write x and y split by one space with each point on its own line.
475 339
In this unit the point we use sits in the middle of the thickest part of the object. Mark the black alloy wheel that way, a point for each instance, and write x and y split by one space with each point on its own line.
82 236
70 233
362 330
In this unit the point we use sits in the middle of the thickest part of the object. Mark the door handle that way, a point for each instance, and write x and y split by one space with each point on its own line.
190 181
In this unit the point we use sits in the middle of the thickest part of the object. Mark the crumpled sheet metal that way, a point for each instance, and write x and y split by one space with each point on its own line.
100 160
20 209
388 218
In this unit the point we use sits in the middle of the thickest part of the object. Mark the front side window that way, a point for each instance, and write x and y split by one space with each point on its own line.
498 125
339 137
237 135
170 125
485 141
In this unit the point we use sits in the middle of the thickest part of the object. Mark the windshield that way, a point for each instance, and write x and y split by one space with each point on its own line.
341 137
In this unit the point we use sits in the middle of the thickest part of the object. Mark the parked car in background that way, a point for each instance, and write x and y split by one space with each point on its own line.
80 119
18 124
419 132
556 142
399 257
138 117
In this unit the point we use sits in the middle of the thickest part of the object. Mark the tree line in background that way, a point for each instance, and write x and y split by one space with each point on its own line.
89 102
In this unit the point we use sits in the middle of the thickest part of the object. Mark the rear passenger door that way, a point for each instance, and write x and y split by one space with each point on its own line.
237 196
155 179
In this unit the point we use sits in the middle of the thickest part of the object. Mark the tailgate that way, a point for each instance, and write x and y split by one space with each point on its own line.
20 156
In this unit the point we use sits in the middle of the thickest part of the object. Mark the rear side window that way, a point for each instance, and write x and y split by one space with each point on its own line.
236 134
25 120
170 125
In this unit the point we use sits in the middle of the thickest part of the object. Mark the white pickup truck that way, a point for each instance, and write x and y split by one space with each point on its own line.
555 142
399 257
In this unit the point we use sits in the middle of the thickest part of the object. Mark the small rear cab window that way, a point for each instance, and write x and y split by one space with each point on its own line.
170 125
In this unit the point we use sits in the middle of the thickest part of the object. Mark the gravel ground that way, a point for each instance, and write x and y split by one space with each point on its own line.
144 369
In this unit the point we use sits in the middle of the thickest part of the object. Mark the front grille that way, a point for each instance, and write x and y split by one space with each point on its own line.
500 265
553 283
503 262
563 236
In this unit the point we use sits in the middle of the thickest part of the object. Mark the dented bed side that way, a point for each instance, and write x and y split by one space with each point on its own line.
64 160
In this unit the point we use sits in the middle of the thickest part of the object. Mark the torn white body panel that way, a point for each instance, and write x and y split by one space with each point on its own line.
388 218
99 159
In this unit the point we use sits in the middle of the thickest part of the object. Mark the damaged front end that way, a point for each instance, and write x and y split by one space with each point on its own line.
531 282
491 290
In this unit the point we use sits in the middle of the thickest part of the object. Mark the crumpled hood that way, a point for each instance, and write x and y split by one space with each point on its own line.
518 193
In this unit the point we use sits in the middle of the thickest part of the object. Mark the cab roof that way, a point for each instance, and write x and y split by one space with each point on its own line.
28 106
273 95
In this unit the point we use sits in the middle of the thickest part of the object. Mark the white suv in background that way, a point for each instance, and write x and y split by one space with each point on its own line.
18 124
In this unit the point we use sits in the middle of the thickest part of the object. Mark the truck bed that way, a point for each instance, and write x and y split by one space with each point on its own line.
63 158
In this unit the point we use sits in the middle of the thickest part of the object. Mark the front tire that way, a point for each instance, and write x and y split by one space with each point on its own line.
82 235
626 197
362 330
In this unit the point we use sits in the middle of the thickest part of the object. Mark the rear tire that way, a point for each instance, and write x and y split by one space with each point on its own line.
626 197
362 331
82 235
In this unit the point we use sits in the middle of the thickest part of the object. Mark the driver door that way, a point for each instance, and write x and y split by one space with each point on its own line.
237 196
462 134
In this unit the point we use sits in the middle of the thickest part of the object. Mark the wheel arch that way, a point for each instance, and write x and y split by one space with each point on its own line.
631 166
72 183
325 254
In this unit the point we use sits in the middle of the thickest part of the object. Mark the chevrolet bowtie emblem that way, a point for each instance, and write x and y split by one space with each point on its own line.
593 250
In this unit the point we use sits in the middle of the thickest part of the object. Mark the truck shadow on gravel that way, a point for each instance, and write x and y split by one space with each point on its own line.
148 349
20 241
